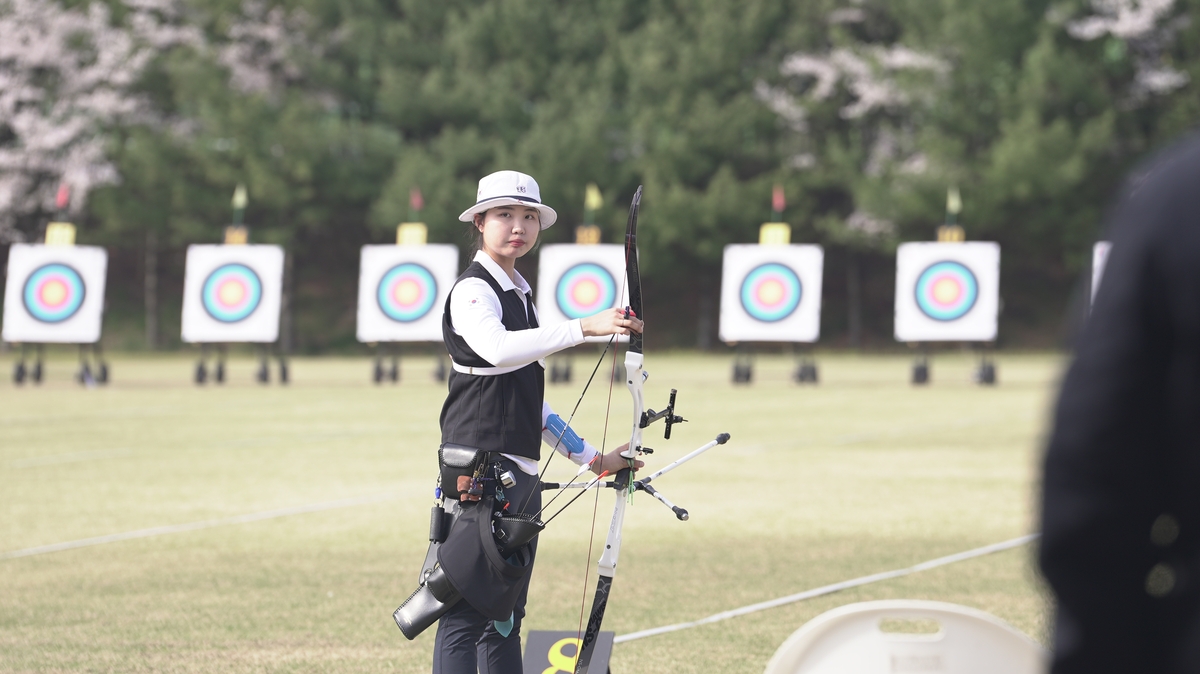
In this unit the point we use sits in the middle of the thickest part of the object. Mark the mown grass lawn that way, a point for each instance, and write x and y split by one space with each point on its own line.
860 474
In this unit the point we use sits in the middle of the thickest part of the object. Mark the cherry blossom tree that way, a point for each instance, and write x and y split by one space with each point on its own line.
1147 28
70 76
67 75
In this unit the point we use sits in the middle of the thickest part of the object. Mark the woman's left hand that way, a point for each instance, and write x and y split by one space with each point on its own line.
613 461
610 322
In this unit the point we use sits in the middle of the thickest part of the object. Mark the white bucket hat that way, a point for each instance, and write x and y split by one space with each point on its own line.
509 188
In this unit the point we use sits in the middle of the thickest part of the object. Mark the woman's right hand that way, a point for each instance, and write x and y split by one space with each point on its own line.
610 322
464 486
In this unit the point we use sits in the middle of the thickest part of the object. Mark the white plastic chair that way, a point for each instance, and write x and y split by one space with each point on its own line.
849 640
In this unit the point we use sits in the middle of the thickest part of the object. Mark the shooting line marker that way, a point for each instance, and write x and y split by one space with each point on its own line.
830 589
194 526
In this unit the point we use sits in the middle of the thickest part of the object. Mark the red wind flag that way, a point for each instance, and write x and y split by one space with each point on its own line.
415 200
778 203
63 197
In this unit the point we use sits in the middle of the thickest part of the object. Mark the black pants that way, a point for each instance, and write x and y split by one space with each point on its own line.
467 641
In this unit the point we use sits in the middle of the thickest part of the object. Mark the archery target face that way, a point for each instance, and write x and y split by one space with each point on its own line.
402 290
947 291
54 293
576 281
232 293
771 293
1099 260
406 292
585 289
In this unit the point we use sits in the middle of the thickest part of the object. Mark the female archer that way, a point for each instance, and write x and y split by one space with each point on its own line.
495 410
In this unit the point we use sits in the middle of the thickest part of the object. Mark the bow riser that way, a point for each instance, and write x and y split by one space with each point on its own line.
635 378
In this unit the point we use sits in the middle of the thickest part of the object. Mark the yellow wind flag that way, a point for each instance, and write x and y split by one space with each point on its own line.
240 198
592 200
953 201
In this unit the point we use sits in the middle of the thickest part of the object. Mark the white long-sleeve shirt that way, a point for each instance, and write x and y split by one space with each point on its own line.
476 314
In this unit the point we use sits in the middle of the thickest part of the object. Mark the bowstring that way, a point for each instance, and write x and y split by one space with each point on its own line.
567 426
587 565
587 570
607 411
612 378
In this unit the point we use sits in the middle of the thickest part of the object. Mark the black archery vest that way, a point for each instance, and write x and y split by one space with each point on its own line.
495 413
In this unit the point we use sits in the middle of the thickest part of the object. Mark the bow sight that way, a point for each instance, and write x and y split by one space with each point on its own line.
668 414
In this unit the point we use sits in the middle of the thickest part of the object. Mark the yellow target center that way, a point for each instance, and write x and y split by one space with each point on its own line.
54 293
586 293
946 291
407 292
231 293
770 292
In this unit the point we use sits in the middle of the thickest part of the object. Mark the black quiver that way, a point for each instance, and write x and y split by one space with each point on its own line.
427 605
435 594
488 552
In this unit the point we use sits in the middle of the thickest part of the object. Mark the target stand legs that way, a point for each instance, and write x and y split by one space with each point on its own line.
377 365
84 376
285 375
806 367
19 371
263 375
986 374
102 369
380 370
92 370
920 370
386 365
201 373
218 369
34 372
743 366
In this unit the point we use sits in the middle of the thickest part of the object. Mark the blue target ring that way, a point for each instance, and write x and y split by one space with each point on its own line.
53 293
231 293
406 292
946 291
584 290
771 292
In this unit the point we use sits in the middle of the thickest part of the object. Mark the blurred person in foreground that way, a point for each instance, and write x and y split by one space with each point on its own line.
1121 499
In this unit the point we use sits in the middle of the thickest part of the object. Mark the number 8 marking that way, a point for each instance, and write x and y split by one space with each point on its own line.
559 661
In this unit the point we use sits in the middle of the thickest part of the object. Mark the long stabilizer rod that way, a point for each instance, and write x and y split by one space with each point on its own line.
720 440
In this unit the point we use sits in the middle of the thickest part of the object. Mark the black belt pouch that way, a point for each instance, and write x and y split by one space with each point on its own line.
471 560
455 461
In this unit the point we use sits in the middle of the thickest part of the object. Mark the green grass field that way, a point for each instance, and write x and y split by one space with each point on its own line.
861 474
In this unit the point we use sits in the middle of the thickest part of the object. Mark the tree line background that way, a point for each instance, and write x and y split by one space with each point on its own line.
332 111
